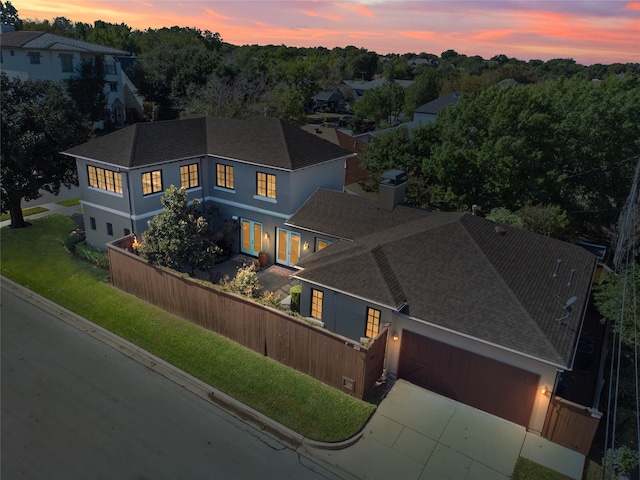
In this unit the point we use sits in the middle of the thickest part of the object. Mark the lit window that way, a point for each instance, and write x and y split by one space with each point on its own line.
266 185
224 176
320 244
105 179
152 182
373 322
189 176
316 303
34 58
66 62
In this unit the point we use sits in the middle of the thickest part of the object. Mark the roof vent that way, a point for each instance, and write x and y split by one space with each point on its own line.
500 230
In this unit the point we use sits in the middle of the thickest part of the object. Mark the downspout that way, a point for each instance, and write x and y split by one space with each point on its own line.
129 199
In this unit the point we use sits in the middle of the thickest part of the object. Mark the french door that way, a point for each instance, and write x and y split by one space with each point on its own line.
251 241
288 248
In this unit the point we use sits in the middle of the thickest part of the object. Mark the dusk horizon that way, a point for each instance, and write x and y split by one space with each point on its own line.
587 32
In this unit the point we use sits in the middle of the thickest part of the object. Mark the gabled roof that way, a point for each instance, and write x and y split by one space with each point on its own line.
261 140
49 41
455 270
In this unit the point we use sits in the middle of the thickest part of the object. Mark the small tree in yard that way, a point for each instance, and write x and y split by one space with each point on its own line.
179 236
38 122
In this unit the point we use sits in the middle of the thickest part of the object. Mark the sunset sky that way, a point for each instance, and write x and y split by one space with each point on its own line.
605 31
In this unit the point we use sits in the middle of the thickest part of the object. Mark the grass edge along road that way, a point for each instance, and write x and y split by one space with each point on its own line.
36 258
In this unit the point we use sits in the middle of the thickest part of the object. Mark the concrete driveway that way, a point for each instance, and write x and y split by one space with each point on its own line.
417 434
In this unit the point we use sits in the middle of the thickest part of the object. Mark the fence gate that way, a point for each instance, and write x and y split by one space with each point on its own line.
571 425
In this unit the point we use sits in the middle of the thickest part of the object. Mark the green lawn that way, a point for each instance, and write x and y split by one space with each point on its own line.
36 258
527 470
26 212
70 202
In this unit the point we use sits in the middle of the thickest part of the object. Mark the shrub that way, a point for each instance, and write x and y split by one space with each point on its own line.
245 282
92 255
622 460
270 299
295 292
73 239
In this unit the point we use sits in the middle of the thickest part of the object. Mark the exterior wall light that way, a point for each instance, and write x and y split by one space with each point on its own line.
546 391
395 337
306 245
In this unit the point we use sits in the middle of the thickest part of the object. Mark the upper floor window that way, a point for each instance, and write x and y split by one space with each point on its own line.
34 58
266 185
105 179
66 62
224 176
113 86
373 322
189 176
109 68
152 182
316 303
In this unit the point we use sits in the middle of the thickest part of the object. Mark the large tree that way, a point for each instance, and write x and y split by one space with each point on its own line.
87 90
38 122
179 236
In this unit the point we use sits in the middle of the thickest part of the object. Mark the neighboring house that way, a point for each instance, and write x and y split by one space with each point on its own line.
336 99
43 56
360 88
258 171
484 314
427 113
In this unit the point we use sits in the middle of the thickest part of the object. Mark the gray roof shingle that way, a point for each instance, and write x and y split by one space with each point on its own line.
261 140
49 41
454 270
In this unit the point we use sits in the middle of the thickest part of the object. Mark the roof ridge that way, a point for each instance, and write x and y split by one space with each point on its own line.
545 338
389 276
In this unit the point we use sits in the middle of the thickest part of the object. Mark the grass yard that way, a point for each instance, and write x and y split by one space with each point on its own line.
527 470
36 258
26 212
70 202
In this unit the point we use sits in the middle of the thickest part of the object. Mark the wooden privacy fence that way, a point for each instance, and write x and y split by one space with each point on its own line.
330 358
571 425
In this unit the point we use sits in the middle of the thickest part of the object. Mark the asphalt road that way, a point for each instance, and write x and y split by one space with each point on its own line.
75 408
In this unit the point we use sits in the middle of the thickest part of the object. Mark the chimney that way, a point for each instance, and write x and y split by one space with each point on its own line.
393 187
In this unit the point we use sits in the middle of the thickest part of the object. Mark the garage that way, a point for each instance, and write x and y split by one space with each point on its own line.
481 382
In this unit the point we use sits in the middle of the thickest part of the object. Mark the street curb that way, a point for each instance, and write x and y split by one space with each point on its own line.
235 408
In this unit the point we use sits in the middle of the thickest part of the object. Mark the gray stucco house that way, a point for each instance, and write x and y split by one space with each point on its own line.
257 171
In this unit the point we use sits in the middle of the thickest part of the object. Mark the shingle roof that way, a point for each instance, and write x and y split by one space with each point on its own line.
456 271
436 105
261 140
49 41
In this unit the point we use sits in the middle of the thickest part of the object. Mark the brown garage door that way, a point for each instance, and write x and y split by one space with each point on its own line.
481 382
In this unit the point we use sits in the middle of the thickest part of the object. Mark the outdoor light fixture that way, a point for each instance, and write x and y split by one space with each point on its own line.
306 245
546 391
266 236
395 337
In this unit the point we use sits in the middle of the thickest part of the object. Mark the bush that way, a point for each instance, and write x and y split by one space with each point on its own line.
295 292
245 282
72 240
270 299
92 255
622 460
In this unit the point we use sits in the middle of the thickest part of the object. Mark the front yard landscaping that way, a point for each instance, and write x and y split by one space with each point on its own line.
37 258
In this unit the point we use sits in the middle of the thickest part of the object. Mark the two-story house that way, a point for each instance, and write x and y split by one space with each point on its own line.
257 171
44 56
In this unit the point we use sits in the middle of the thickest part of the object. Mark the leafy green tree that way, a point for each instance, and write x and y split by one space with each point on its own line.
504 216
549 220
111 35
618 301
9 14
87 90
383 104
172 71
38 121
179 236
285 103
425 88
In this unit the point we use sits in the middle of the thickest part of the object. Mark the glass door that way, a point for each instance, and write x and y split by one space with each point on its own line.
251 241
288 248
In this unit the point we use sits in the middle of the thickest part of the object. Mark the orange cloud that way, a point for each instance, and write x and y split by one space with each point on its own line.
334 18
633 6
361 9
212 13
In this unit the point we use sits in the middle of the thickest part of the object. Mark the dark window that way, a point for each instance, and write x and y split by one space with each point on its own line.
127 232
109 229
92 221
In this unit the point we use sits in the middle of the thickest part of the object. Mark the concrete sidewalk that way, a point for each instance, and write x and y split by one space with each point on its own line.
417 434
75 212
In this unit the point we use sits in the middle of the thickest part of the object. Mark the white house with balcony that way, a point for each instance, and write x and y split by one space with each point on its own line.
43 56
